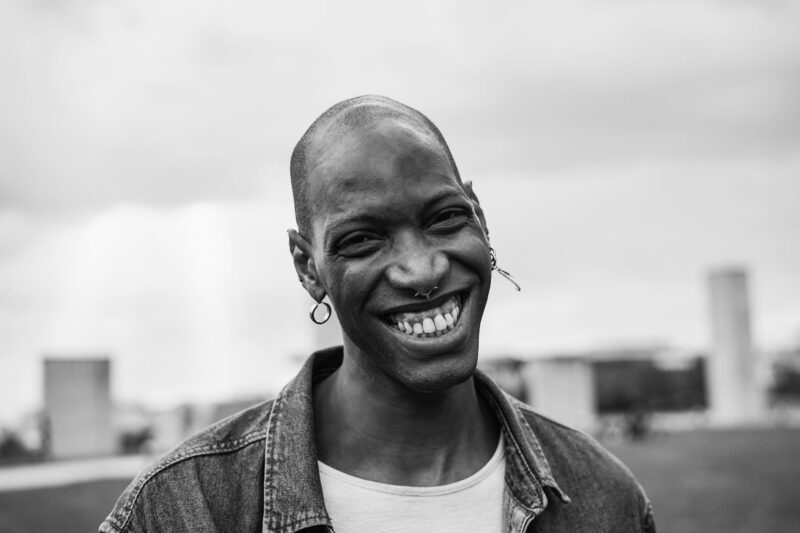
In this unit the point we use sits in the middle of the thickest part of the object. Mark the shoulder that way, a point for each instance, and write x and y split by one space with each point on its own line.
591 475
196 469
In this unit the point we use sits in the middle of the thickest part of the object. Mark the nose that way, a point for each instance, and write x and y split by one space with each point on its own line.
417 266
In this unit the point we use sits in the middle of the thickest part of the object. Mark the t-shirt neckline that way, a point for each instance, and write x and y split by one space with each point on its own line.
497 459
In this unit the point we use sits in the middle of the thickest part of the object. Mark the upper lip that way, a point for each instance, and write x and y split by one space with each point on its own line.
423 305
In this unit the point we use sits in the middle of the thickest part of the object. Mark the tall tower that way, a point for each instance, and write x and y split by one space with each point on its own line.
734 394
77 402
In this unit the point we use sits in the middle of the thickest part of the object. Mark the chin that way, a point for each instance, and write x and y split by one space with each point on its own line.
440 375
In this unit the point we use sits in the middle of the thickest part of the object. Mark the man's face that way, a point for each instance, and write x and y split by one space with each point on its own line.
390 218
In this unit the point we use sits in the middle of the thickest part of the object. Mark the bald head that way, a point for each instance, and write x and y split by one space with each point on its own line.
340 121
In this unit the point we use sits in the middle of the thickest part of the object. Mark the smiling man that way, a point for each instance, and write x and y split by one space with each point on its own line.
394 431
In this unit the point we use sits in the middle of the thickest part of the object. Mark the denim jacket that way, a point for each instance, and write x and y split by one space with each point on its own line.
257 471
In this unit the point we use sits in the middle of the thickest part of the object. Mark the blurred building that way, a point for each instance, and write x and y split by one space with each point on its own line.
586 390
77 406
507 373
734 393
654 379
561 388
169 427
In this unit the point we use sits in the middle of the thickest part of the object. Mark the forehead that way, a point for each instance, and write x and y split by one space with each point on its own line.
388 165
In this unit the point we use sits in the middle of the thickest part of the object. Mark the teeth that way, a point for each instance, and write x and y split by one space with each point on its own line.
430 323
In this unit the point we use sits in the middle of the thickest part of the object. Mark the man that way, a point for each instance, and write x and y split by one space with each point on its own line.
395 430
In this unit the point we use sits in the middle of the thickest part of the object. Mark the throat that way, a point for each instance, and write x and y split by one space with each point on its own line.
448 439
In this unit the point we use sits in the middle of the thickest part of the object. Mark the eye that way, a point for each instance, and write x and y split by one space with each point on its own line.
357 244
451 218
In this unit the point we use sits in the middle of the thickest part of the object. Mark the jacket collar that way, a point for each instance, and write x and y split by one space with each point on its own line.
527 469
292 490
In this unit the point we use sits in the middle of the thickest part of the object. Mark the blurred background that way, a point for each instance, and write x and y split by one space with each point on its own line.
638 162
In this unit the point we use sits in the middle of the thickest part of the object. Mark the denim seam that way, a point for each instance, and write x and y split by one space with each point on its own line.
535 444
197 451
305 520
268 456
538 507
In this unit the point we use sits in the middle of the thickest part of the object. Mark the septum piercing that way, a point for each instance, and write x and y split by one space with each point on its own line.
426 294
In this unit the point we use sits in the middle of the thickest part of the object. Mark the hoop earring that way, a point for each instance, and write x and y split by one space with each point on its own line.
313 312
504 273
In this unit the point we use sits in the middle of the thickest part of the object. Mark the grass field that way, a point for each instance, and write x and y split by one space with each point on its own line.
66 509
733 481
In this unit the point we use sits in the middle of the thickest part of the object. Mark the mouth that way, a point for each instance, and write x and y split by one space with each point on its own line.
435 321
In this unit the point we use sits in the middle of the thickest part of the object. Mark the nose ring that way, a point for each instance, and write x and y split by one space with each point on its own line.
426 294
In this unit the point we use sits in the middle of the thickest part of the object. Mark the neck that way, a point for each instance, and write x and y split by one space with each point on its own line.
372 427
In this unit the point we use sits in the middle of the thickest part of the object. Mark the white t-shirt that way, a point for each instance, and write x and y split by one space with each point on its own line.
473 504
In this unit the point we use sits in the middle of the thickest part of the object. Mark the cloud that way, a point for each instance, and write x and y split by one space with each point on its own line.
180 102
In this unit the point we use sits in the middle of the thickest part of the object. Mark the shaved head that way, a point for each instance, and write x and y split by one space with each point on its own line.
333 125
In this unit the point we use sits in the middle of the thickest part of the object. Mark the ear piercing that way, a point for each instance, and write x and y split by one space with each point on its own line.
504 273
313 313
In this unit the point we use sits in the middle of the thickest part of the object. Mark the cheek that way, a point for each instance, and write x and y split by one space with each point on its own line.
473 251
349 286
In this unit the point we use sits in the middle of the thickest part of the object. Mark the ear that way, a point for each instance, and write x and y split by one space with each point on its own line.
476 204
304 265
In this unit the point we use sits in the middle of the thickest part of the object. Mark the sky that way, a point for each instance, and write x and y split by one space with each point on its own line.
621 150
